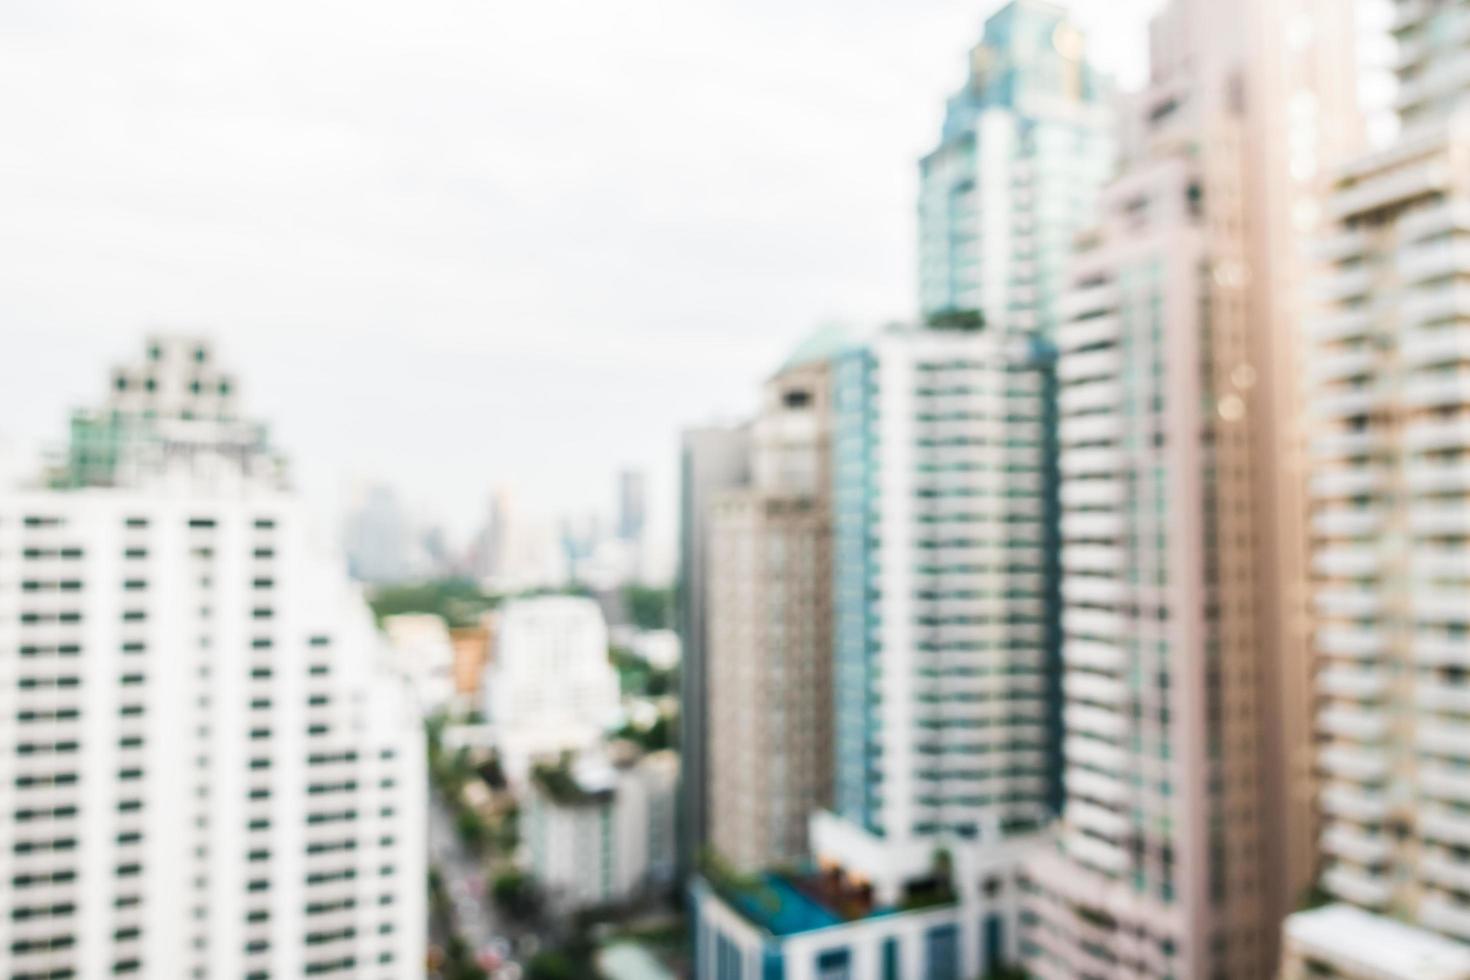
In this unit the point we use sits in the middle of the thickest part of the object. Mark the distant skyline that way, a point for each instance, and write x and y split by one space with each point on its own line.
465 243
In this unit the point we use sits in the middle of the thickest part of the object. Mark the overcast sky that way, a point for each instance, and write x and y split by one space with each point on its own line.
450 244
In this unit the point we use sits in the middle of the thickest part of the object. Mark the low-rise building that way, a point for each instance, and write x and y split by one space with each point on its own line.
551 688
601 832
425 656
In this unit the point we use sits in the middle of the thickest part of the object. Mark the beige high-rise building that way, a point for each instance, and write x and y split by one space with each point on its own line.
770 628
1187 830
1389 410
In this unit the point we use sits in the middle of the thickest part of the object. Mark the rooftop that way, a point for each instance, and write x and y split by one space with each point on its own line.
785 903
1375 946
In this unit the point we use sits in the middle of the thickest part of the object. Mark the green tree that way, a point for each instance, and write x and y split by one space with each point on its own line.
649 608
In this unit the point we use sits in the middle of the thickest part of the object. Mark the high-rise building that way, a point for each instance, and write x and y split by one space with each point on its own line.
1158 870
1390 517
1314 71
711 459
769 608
206 767
944 624
1025 146
380 542
632 505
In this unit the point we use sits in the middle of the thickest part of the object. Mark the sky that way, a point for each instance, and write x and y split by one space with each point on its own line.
454 244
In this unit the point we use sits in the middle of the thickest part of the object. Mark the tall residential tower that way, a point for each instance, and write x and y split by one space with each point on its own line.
205 767
1390 521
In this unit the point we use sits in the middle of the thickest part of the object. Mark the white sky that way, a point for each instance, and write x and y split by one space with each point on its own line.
455 243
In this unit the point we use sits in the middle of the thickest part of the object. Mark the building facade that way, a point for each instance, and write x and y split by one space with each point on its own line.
1158 869
1390 505
711 459
600 833
1025 146
769 609
208 767
551 687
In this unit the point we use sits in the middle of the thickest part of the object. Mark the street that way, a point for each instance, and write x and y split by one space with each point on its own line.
476 919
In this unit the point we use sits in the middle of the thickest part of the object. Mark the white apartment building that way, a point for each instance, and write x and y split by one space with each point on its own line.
600 832
1390 503
551 687
206 767
944 625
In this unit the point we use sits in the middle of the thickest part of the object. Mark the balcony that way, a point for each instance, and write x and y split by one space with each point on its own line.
1353 763
1432 435
1087 784
1445 916
1439 520
1442 738
1434 305
1426 478
1421 263
1444 783
1340 245
1106 363
1346 284
1347 682
1094 754
1350 641
1095 853
1102 821
1083 686
1089 395
1353 323
1362 724
1388 187
1433 697
1360 888
1434 220
1347 481
1092 655
1335 365
1442 824
1092 558
1092 525
1347 522
1441 868
1092 589
1354 803
1347 562
1441 606
1092 493
1082 301
1346 841
1078 334
1436 390
1445 345
1090 428
1346 402
1349 602
1347 443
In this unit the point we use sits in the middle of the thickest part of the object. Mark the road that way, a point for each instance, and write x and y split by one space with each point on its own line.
476 918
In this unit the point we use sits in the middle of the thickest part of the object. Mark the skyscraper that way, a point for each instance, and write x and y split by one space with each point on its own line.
769 607
632 505
205 766
712 458
1390 515
1025 146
